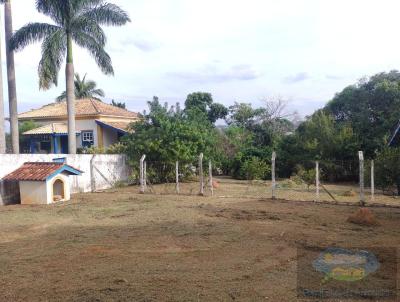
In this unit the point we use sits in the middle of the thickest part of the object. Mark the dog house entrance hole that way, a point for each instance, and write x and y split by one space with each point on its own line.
58 190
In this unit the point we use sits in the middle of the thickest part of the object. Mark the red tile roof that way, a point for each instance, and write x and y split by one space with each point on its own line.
34 171
83 108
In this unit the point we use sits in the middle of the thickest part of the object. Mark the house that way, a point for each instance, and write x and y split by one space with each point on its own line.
97 124
43 182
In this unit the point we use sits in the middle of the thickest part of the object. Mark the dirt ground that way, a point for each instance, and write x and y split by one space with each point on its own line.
122 246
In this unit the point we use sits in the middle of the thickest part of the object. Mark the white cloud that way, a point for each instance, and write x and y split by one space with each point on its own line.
237 50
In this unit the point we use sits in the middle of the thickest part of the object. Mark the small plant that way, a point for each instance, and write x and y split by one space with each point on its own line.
255 168
307 176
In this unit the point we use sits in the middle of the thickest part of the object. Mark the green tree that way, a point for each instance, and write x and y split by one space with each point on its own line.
243 115
203 103
167 136
371 108
76 21
83 89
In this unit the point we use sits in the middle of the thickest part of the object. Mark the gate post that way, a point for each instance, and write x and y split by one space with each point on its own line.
177 176
142 185
317 180
362 188
273 175
372 180
211 177
201 176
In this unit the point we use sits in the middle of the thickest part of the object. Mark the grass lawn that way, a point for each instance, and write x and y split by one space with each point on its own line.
122 246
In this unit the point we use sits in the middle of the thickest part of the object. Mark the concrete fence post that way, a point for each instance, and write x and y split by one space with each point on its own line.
372 180
362 188
317 182
201 175
145 174
177 177
92 176
211 178
142 185
273 161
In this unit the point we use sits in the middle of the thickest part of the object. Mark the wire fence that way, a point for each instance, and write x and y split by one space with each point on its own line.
335 181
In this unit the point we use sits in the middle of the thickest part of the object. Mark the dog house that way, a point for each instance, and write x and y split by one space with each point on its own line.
43 182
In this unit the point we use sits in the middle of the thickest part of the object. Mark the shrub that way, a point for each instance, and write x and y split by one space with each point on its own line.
308 176
254 168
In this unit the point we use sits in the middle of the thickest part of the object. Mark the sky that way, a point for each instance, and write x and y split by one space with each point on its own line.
304 51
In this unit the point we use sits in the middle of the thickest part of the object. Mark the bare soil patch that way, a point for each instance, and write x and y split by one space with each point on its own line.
122 246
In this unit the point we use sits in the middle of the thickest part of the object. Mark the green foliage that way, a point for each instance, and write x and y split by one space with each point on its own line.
308 176
243 115
203 104
387 172
83 89
254 169
167 136
371 108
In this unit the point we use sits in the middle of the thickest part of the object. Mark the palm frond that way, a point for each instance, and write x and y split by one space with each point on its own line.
107 14
32 32
98 92
53 53
101 57
62 97
80 5
90 27
90 85
57 10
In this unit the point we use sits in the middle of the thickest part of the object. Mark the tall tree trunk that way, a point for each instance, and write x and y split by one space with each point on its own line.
69 77
12 88
2 121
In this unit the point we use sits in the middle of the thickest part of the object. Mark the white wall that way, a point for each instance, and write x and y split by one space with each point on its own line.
100 171
33 192
110 137
90 125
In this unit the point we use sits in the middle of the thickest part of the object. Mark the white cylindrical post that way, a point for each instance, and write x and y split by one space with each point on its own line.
273 175
211 178
362 188
317 183
372 180
142 186
201 176
145 174
177 177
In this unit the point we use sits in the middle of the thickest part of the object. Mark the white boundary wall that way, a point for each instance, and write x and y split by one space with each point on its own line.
100 171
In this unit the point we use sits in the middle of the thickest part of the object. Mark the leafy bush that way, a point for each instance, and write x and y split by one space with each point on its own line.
308 176
254 168
387 172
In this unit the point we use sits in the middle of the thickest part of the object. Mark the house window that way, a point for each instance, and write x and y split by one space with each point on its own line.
87 138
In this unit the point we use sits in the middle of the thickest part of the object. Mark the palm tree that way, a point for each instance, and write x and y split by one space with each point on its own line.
2 120
76 21
83 90
12 88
